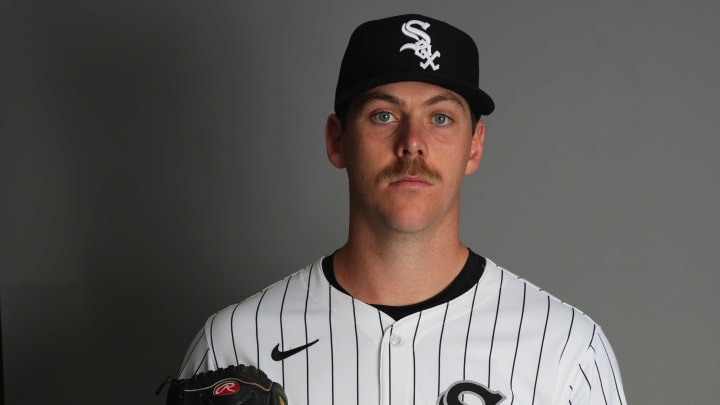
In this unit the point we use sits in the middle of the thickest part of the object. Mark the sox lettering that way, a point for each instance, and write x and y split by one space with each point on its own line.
453 394
422 45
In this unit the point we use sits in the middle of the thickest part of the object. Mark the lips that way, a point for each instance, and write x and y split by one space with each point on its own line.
410 180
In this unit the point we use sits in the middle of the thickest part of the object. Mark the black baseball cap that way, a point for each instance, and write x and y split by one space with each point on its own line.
411 47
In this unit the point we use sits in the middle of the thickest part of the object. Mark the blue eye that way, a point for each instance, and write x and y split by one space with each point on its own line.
383 117
440 119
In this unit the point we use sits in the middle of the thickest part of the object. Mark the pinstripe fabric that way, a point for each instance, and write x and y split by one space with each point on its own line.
503 338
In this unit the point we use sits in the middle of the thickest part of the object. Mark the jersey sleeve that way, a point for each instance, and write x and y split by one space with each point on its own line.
598 381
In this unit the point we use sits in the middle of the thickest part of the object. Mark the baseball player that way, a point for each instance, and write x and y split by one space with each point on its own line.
404 313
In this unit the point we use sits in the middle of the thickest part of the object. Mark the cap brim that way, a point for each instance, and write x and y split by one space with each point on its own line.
480 102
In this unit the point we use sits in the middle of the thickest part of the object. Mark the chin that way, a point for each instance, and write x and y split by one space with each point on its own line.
408 223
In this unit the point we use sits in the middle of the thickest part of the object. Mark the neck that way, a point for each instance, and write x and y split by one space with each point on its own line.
398 269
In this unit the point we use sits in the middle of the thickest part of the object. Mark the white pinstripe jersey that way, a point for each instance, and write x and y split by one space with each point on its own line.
504 341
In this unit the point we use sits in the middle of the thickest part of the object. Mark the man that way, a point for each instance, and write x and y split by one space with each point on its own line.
403 312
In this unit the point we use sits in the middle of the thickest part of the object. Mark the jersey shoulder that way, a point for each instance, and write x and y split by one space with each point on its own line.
581 344
217 344
271 298
519 295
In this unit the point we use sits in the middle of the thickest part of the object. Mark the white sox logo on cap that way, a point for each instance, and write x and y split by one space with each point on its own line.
422 46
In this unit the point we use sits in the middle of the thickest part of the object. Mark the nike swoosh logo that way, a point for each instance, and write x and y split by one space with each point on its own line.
279 355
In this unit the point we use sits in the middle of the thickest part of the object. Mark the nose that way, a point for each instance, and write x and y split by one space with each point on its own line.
411 140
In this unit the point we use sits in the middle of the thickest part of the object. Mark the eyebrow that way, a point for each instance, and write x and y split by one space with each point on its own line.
371 96
366 98
446 96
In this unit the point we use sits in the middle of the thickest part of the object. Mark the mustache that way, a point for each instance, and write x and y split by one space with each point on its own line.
415 167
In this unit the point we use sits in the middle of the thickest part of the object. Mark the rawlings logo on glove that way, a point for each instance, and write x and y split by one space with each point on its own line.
234 385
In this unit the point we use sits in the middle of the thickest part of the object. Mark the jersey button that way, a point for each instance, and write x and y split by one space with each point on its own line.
395 340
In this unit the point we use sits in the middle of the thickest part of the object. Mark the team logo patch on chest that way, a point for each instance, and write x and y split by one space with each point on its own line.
422 46
454 393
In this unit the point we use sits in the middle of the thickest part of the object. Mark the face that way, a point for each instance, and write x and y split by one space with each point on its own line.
406 147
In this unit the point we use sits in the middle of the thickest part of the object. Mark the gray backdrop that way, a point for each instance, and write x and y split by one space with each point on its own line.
161 160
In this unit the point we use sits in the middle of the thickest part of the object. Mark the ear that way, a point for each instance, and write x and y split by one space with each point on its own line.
476 148
333 141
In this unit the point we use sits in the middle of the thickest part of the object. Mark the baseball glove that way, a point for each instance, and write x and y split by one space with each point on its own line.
234 385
